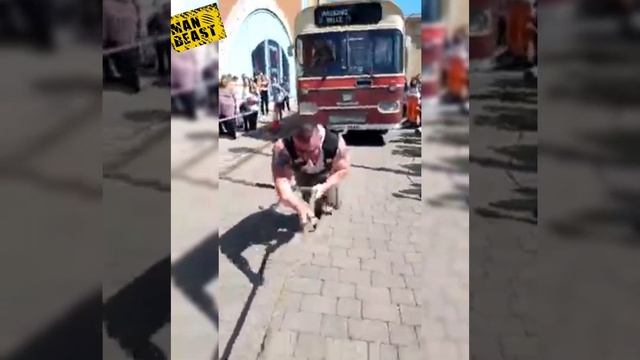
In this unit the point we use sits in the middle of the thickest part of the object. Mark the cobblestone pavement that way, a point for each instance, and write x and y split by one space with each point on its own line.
136 199
503 217
194 238
355 289
445 240
51 191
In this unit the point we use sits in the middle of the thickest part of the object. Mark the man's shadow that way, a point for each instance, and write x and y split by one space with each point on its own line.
194 271
266 227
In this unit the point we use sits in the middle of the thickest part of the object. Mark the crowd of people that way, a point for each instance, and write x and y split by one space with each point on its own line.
243 101
123 38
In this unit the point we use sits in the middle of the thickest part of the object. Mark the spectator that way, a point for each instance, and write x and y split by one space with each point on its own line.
184 77
228 107
158 25
287 88
279 95
252 101
121 27
263 87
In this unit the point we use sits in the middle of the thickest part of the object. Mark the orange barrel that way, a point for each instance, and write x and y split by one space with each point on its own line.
519 14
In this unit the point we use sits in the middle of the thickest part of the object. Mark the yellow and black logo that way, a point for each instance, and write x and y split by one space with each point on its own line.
196 27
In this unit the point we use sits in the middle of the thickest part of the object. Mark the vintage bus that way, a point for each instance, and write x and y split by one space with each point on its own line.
351 62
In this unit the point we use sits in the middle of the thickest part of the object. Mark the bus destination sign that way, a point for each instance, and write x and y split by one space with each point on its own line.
348 14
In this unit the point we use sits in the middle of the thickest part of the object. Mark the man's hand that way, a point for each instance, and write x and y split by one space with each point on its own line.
305 214
319 190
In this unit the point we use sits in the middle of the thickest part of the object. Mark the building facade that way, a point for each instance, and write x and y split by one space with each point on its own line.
259 34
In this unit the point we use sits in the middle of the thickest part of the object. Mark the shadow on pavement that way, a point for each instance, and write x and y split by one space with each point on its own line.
202 136
508 118
139 310
613 153
248 150
268 228
456 199
363 138
195 270
73 336
63 86
248 183
148 115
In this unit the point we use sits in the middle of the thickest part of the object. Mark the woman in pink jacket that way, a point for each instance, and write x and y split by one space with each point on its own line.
184 78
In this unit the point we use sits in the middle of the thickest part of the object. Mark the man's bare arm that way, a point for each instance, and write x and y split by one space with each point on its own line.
282 173
341 165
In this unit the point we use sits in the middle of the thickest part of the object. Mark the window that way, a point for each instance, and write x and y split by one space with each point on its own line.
351 53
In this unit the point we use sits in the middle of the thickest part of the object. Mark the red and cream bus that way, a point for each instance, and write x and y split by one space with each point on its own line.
351 61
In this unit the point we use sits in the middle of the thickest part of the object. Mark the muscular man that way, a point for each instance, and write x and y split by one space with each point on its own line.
311 157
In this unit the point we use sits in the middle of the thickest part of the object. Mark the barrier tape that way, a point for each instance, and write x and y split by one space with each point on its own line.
145 41
237 116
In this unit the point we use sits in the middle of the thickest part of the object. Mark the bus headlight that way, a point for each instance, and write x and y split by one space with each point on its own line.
307 108
388 106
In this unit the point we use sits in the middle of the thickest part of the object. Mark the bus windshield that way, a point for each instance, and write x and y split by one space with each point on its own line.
350 53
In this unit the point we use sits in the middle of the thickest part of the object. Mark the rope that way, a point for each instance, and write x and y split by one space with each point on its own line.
145 41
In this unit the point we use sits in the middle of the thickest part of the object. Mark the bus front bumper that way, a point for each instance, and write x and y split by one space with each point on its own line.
364 127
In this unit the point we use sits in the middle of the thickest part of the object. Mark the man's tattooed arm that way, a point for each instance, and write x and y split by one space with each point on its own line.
281 161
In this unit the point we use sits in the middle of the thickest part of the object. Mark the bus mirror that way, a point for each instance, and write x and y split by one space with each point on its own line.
290 50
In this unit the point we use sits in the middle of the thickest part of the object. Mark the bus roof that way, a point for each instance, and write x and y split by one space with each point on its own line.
392 17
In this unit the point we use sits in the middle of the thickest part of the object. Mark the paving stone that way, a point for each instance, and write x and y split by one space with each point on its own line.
520 347
379 244
338 289
358 277
417 295
380 311
413 258
411 315
402 334
377 265
303 285
368 330
361 253
319 304
379 295
321 260
432 329
308 271
413 282
338 349
360 243
341 242
290 301
392 256
334 327
387 280
416 353
402 296
443 349
302 322
402 269
329 273
351 308
280 344
401 247
310 346
380 351
347 263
